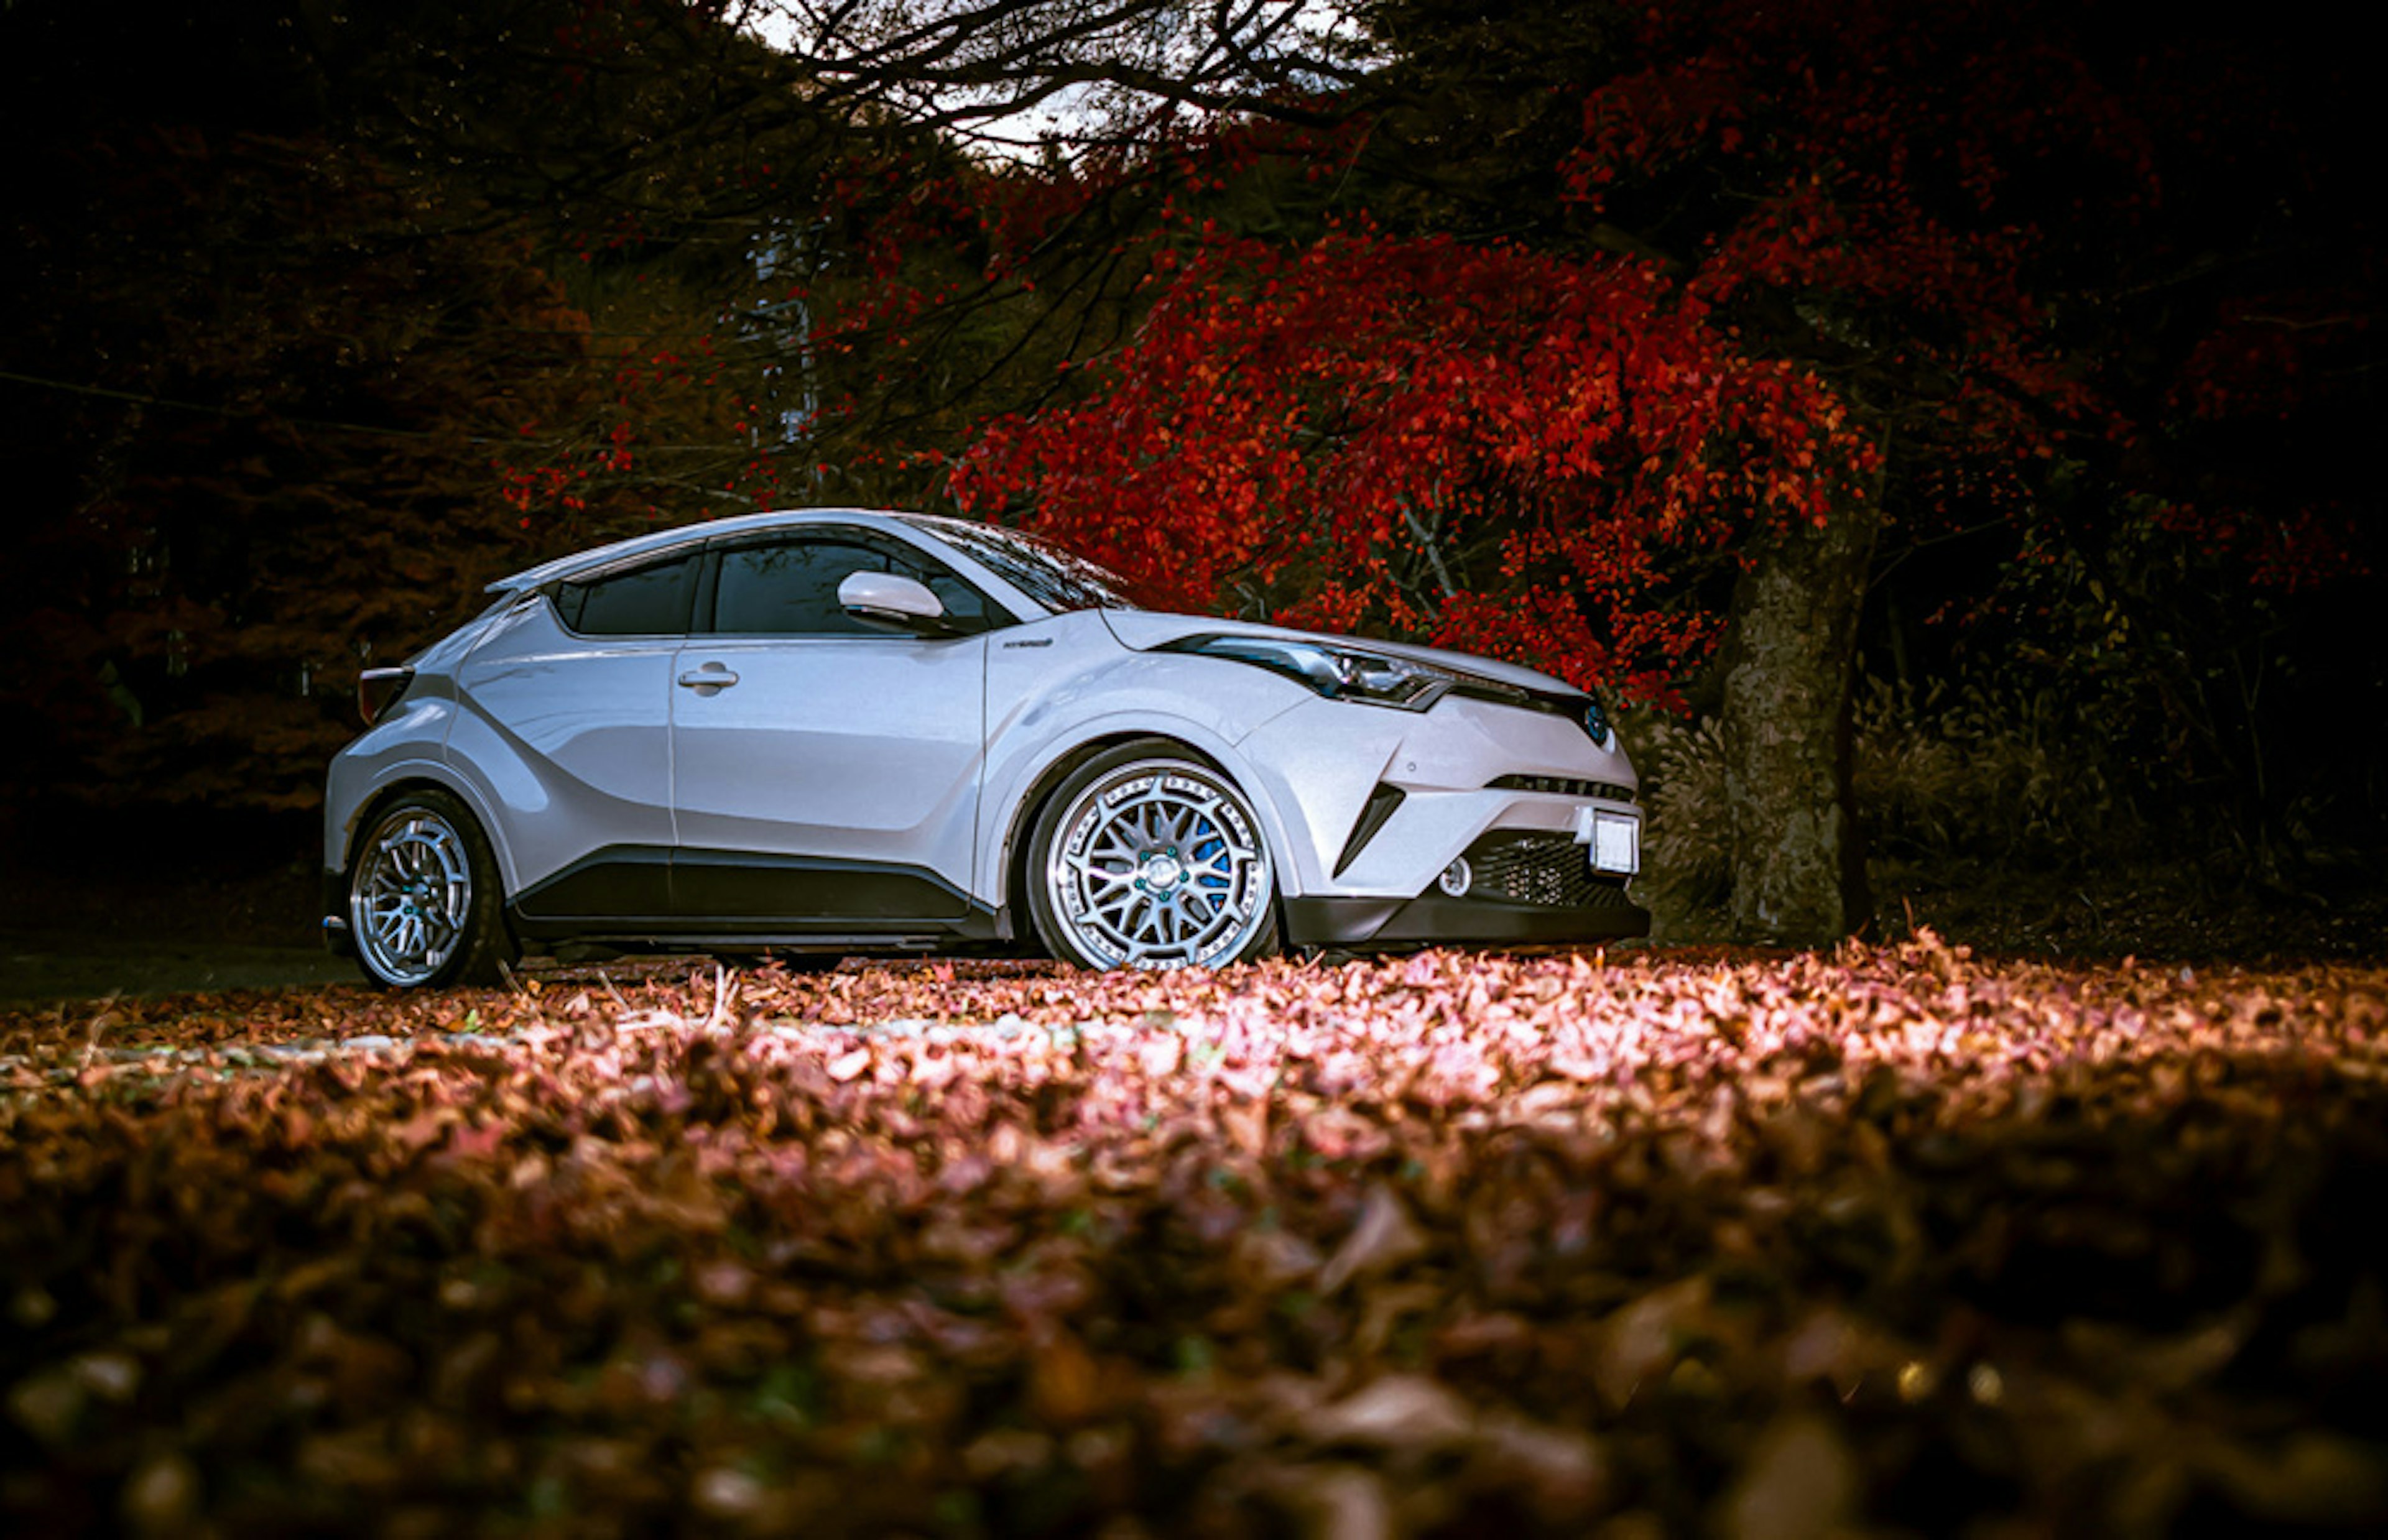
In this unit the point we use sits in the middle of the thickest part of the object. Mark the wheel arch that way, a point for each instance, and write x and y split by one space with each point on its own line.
1013 857
483 944
1014 853
424 777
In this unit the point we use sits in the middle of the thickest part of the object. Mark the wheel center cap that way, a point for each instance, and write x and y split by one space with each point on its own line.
1163 871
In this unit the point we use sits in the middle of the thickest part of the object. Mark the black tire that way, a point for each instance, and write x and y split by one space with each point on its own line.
426 907
1148 857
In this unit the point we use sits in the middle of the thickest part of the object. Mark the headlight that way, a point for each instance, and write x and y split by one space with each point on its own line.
1337 673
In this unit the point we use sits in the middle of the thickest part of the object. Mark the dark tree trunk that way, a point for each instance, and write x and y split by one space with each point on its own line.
1799 875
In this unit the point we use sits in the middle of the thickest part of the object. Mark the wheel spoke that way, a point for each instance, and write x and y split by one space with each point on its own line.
1104 877
1157 865
413 897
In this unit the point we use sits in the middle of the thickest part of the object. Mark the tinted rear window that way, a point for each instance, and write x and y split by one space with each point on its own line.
645 601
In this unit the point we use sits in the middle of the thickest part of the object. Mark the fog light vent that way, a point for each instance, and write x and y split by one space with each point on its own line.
1455 878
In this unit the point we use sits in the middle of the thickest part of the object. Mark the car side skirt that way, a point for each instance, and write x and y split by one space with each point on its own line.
642 894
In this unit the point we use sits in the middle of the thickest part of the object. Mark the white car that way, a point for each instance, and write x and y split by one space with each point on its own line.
834 731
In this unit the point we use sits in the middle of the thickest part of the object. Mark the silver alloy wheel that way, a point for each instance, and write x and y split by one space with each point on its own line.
1159 865
411 899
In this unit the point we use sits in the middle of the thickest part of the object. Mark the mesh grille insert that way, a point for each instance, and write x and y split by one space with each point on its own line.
1549 870
1560 786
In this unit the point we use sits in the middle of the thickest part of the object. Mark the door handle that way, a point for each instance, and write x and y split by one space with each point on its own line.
711 679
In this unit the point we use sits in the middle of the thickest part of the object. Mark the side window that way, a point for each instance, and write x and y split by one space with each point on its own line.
790 589
645 601
965 606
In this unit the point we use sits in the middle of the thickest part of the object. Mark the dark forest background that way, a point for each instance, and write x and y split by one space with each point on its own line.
320 317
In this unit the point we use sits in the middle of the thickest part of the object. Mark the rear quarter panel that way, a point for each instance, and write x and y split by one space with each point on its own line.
565 743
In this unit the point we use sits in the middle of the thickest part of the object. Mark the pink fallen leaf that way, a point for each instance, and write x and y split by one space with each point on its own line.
1338 1502
1401 1411
1246 1124
1003 1450
1563 1471
1641 1340
1384 1238
1160 1052
724 1493
1275 1259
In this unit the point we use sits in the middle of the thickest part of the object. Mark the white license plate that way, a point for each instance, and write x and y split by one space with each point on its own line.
1615 839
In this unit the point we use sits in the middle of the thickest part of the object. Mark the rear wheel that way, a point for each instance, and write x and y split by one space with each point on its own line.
1147 858
423 899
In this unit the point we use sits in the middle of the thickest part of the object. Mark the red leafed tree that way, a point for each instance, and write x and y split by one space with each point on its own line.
1499 450
1778 272
1875 181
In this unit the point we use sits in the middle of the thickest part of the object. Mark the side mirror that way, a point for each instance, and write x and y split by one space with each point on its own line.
893 603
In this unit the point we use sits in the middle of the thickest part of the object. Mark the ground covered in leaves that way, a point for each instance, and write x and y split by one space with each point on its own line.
1895 1242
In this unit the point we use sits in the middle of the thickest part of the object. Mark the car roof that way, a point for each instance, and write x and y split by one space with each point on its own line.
597 556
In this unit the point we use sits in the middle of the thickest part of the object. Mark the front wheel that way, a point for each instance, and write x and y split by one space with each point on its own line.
1147 858
423 898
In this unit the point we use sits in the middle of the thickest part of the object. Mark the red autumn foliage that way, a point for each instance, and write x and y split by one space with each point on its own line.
1479 444
1769 259
1530 450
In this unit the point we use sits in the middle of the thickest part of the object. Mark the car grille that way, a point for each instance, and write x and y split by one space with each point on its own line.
1561 786
1549 870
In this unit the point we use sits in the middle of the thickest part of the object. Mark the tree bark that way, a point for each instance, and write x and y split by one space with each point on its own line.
1798 861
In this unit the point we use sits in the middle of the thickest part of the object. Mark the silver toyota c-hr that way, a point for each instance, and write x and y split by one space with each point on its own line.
838 732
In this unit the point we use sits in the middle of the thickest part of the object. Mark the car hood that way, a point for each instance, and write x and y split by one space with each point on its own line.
1142 630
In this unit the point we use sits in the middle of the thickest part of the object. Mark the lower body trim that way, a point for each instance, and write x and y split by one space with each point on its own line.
1436 919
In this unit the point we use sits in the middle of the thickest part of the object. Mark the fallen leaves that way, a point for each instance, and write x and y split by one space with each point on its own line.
1769 1247
1382 1240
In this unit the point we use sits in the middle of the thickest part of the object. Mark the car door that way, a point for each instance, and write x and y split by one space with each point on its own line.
567 721
823 769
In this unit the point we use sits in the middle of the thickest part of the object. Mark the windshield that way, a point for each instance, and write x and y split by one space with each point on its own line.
1053 578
